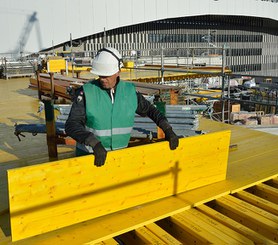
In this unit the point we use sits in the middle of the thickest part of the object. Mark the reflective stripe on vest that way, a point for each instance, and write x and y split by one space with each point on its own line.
109 132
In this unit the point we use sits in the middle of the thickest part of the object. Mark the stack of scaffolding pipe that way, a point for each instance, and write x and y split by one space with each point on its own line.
182 118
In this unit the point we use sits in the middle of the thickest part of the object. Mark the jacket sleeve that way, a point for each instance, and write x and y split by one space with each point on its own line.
145 108
75 124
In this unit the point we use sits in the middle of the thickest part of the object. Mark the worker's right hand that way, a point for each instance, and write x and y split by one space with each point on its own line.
100 154
172 138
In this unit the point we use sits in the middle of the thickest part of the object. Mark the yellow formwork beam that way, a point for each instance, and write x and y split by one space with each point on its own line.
256 237
52 195
247 217
107 242
162 234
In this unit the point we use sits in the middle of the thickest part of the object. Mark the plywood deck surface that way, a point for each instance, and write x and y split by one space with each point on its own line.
253 160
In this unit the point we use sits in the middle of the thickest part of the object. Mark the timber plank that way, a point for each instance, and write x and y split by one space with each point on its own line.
112 225
49 196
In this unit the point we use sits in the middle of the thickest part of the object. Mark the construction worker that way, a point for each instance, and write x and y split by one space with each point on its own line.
103 111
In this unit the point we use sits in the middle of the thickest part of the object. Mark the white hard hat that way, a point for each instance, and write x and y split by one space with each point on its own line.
107 62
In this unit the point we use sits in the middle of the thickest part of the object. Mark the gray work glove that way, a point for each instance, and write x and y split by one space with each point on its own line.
100 154
172 138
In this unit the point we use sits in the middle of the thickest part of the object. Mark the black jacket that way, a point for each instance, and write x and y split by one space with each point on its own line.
75 124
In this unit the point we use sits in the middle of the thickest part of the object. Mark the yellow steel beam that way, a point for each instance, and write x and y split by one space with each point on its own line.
49 196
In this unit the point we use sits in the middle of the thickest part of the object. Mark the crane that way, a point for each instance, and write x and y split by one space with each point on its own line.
23 38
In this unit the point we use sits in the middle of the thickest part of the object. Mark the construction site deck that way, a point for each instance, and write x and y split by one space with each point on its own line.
242 208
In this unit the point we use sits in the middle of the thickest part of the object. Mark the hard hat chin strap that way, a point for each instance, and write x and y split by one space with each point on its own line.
109 51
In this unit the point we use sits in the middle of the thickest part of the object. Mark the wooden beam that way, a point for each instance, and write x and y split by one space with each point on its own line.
253 208
256 237
258 201
162 234
195 230
148 237
265 191
247 217
215 227
107 242
49 196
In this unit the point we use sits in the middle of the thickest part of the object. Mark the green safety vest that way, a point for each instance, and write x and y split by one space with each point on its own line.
110 123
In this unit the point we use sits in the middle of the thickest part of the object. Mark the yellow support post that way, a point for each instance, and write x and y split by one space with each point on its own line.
53 195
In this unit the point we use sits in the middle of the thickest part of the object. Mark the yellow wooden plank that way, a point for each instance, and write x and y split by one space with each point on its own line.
117 223
49 196
257 201
148 237
112 225
238 227
253 220
256 157
192 226
220 229
162 234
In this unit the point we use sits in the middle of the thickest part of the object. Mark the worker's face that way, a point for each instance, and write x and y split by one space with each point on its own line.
109 81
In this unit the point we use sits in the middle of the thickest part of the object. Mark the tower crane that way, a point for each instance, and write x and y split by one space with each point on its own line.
23 38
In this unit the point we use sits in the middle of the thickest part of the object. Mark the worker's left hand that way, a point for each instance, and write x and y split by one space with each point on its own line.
172 138
100 154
